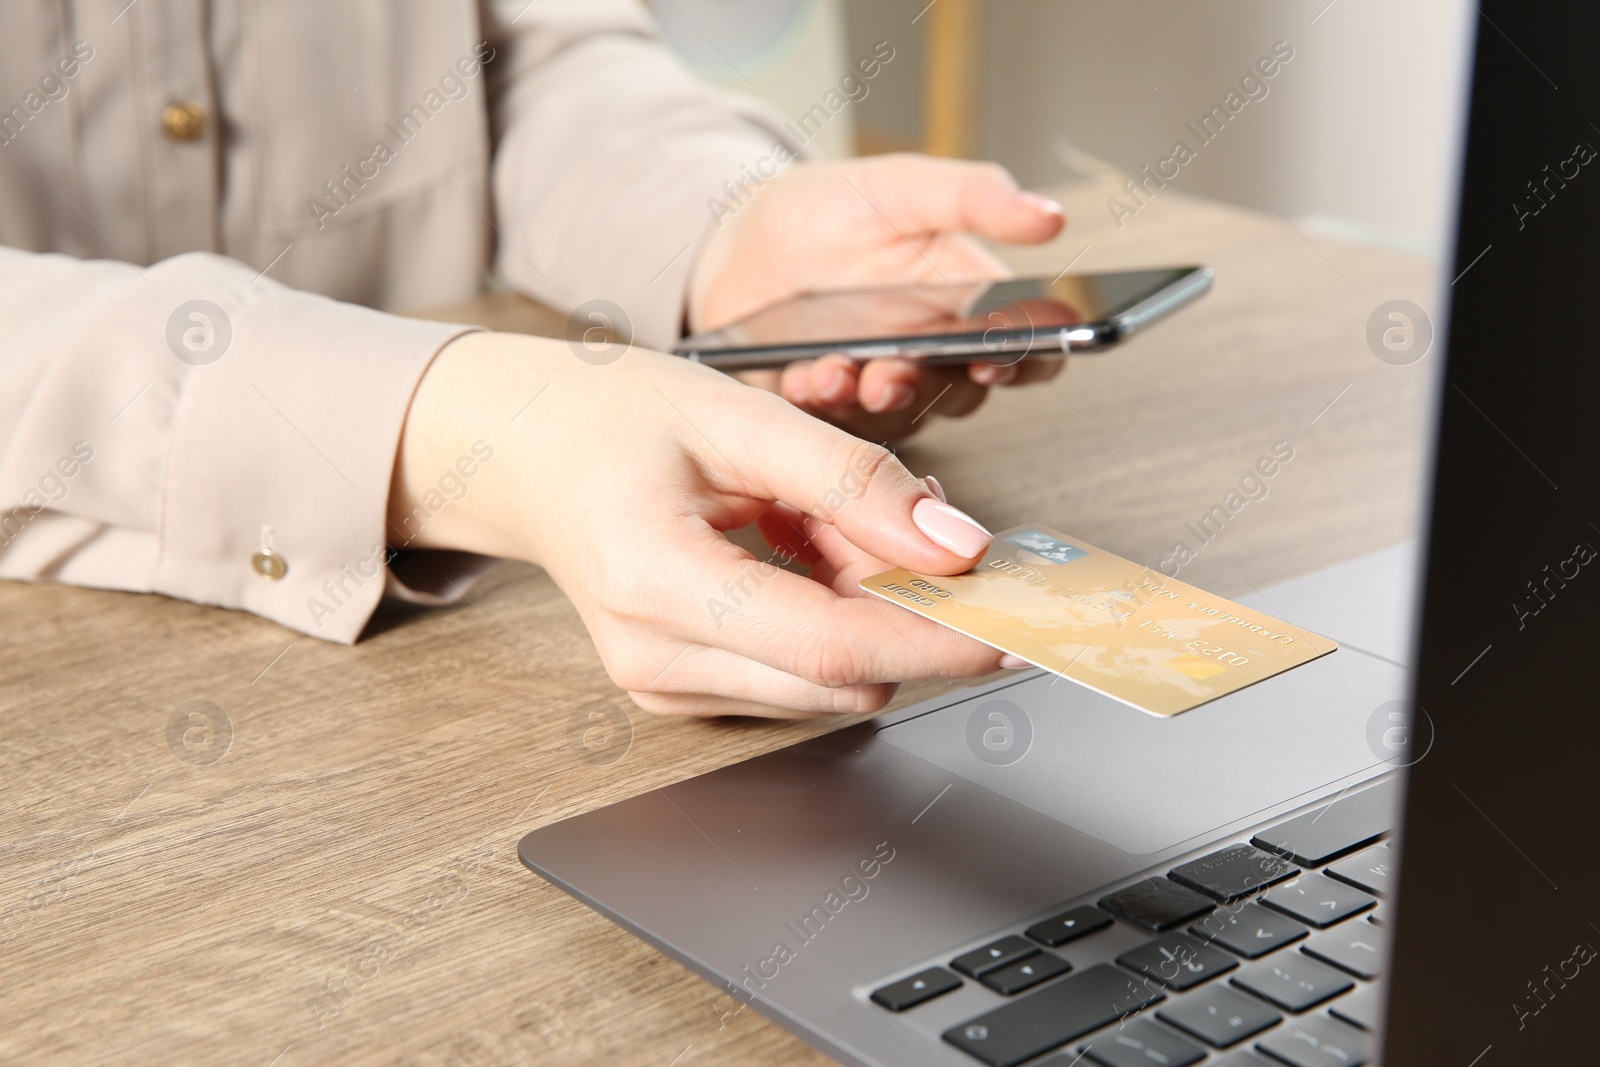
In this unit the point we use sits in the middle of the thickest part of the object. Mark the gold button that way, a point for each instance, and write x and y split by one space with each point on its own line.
184 121
269 565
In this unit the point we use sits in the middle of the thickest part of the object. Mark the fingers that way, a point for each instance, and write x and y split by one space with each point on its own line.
841 566
919 194
883 400
714 681
769 639
953 392
827 384
822 548
889 385
891 399
706 706
831 381
1022 372
889 390
839 388
836 477
775 643
784 528
958 257
1038 370
833 561
947 390
757 610
772 642
992 374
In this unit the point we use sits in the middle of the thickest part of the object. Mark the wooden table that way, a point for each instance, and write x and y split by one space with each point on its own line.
342 884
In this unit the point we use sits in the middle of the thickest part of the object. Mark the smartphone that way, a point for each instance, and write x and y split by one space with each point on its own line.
993 322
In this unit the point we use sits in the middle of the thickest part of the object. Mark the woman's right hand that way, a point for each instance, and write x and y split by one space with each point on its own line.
621 480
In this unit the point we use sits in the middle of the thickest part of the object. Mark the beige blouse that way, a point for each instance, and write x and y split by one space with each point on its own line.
207 209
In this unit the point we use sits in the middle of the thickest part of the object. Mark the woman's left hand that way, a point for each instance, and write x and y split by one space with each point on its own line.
882 220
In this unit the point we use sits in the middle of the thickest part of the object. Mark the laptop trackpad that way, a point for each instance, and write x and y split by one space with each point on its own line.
1143 783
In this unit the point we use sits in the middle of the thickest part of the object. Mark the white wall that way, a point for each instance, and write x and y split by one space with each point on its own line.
789 52
1353 136
1356 127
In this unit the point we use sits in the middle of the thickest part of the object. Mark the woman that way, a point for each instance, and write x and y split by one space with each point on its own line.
203 209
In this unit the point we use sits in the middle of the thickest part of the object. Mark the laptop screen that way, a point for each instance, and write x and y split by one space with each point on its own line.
1496 929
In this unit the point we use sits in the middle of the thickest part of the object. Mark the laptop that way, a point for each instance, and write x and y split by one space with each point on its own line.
1384 855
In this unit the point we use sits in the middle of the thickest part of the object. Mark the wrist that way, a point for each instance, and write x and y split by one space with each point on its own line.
462 451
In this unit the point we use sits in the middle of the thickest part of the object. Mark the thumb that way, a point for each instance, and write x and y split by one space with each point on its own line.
920 194
861 489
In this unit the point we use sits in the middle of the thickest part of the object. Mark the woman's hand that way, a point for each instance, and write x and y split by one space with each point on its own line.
883 220
621 479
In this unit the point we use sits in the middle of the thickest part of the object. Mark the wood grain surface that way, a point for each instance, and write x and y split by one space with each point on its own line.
327 871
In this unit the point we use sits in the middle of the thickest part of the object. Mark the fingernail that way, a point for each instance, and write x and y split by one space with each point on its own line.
898 397
833 385
935 488
1013 663
950 528
1041 203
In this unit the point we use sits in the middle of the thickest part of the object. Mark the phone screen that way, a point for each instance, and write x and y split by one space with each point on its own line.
854 319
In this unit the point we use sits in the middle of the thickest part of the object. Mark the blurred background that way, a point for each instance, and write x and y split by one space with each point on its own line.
1352 138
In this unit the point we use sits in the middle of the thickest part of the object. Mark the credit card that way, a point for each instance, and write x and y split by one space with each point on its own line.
1119 628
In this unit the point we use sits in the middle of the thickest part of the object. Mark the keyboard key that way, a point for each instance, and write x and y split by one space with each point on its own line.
1069 925
1002 953
1362 1008
1372 869
1250 931
1318 1042
1026 973
909 992
1177 961
1359 948
1236 871
1352 821
1380 915
1143 1044
1157 904
1051 1016
1220 1016
1293 982
1317 900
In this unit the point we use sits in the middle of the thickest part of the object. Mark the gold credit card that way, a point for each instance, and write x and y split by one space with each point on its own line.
1121 629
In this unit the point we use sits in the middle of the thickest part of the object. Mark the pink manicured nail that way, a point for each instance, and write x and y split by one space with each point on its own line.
986 374
1013 663
833 386
898 397
935 488
1042 203
950 528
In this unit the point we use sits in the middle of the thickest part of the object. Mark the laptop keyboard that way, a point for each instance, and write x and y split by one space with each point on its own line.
1262 953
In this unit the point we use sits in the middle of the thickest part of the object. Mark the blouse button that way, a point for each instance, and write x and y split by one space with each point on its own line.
269 565
183 121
